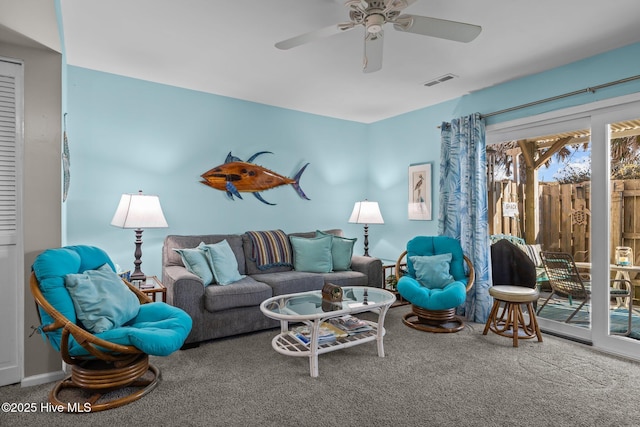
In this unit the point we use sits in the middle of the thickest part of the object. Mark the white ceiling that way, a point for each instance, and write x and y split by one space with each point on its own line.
227 48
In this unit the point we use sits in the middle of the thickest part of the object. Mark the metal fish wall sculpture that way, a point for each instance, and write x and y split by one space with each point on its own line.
235 176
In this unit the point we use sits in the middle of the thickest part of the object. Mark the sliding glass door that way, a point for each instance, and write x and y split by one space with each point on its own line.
618 166
544 175
587 204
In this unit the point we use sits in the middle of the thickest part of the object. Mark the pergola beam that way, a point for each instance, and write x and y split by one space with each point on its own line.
557 146
527 149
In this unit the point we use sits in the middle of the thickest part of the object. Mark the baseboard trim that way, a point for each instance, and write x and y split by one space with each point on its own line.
42 378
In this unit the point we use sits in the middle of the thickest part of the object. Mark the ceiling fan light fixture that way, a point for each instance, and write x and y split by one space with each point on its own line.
374 23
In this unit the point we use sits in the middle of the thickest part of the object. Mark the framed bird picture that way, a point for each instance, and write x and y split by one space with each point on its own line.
420 191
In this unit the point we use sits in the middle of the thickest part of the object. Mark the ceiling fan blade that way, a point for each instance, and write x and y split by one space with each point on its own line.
314 35
397 5
434 27
372 53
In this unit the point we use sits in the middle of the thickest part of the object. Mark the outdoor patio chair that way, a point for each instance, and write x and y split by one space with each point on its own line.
435 282
103 327
566 281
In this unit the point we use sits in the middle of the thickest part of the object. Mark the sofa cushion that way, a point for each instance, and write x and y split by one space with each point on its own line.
312 255
311 234
346 278
196 262
291 282
341 251
246 292
222 262
252 266
270 248
171 242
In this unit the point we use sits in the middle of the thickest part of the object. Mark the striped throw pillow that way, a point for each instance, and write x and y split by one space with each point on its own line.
271 248
533 252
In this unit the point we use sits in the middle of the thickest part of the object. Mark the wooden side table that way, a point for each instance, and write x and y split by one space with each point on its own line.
389 269
152 288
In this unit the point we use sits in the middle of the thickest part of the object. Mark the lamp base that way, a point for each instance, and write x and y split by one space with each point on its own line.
366 240
138 275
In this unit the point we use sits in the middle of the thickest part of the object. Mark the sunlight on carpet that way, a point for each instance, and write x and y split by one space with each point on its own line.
559 310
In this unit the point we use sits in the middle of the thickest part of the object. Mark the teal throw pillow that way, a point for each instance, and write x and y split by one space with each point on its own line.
312 255
223 262
341 251
196 262
101 299
433 271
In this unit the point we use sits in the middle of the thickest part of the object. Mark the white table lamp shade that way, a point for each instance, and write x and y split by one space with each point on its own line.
139 211
366 212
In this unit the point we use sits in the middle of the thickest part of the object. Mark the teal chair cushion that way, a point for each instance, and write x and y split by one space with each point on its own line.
452 294
51 267
101 299
433 271
159 329
436 245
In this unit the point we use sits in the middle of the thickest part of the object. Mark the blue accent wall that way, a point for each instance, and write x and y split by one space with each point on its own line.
414 137
128 135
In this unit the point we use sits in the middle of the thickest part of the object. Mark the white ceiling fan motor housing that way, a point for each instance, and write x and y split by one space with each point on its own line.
374 23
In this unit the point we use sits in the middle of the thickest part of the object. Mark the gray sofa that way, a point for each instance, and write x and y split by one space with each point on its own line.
221 311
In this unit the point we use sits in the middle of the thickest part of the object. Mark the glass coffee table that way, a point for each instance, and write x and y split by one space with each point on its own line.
318 318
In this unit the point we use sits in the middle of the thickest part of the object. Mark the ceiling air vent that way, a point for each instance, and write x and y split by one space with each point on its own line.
439 80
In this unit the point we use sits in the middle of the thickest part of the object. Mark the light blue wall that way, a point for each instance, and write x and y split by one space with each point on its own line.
128 135
397 142
178 134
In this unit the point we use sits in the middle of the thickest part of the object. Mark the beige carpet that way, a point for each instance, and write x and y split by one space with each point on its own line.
463 379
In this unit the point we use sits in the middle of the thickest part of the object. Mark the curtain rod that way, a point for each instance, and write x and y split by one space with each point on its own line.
564 95
592 89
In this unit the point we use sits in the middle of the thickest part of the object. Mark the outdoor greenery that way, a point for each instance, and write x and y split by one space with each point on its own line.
574 173
625 160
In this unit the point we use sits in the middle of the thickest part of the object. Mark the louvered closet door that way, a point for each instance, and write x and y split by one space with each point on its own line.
11 259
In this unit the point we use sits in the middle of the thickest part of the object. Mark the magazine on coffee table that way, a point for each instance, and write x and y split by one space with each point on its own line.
350 324
328 333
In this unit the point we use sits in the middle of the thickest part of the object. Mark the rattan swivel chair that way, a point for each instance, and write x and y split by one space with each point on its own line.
435 282
109 368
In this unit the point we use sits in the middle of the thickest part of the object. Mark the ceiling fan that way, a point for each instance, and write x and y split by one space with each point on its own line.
373 14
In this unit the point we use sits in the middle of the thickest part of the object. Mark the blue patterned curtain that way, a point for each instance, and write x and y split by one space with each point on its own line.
463 204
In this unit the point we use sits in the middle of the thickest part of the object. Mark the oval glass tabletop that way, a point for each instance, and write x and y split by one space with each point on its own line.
310 305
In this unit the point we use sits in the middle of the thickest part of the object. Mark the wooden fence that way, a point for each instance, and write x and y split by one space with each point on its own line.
625 222
564 212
